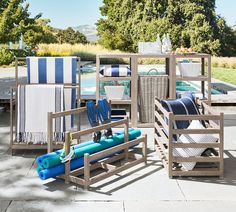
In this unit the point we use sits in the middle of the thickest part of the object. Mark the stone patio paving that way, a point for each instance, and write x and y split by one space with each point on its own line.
138 189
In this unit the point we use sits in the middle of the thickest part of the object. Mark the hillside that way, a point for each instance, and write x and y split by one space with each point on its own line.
89 31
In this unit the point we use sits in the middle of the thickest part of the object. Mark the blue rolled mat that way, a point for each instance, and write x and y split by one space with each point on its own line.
79 162
60 169
93 147
40 159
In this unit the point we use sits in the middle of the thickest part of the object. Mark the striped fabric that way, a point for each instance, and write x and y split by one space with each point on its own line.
193 138
56 70
32 112
182 106
115 71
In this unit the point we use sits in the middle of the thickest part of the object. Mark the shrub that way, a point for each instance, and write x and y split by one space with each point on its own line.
6 57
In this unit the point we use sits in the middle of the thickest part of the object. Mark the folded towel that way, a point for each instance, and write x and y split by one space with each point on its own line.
34 102
56 70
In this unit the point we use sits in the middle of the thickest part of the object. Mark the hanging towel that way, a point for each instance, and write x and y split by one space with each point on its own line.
34 102
56 70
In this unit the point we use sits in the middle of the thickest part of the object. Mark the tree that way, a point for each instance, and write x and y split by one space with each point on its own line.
14 20
71 36
39 32
190 23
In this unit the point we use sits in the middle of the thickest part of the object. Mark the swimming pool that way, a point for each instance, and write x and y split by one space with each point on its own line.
88 83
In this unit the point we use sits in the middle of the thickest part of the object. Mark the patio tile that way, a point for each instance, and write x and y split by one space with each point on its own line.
179 206
150 186
4 204
230 138
31 188
208 188
33 206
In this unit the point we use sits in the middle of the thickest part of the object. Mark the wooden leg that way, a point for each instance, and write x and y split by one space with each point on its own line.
126 138
67 172
67 151
49 133
144 148
86 171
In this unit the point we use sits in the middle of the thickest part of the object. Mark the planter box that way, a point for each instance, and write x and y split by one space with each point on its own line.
192 69
114 92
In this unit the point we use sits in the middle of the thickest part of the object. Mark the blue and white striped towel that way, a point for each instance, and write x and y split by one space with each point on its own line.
34 102
56 70
115 71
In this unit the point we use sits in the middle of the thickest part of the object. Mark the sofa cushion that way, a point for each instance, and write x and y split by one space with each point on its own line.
193 138
183 106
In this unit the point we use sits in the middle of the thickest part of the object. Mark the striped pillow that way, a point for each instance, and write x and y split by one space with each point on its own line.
115 71
193 138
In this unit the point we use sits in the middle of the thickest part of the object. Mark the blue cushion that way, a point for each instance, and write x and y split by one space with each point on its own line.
185 94
115 71
183 106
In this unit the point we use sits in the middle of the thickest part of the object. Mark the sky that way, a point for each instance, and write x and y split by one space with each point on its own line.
65 13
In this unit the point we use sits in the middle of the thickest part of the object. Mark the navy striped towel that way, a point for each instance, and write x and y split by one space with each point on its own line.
115 71
56 70
34 102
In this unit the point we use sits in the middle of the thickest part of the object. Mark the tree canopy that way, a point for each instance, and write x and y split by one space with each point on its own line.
190 23
15 20
71 36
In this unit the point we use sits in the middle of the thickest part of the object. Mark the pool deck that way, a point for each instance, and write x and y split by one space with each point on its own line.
142 188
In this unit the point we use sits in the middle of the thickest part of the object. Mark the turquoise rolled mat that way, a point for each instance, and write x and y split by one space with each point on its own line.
39 169
132 135
40 159
79 162
93 147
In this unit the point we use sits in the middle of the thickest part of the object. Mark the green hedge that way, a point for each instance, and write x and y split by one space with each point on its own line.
7 56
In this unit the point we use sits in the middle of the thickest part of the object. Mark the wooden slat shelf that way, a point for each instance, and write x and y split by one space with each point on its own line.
171 59
132 99
109 55
115 78
197 55
203 78
121 102
153 55
198 78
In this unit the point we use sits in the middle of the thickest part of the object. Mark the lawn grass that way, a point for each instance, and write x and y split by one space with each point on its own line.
224 74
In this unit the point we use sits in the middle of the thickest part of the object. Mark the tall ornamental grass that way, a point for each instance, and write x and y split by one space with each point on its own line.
87 52
224 62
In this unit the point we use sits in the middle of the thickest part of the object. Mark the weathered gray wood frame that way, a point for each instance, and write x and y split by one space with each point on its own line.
119 152
164 145
13 114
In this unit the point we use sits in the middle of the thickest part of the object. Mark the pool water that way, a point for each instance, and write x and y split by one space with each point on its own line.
88 85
